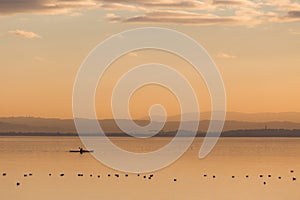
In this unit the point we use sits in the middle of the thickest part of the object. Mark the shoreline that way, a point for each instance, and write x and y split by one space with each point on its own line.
233 133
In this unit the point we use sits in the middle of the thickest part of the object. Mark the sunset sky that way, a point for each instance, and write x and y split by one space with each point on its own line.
255 44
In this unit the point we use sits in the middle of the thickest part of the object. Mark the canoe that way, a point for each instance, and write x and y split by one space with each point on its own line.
83 151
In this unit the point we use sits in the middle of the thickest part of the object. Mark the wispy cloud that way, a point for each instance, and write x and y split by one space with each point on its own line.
38 58
235 3
24 34
113 17
294 14
51 7
157 4
195 12
133 54
225 55
293 32
291 16
242 12
176 17
119 6
280 5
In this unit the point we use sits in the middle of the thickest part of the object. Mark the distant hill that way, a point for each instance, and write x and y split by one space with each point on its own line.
237 122
248 117
232 133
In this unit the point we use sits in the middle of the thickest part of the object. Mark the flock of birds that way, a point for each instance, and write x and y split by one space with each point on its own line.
260 176
151 176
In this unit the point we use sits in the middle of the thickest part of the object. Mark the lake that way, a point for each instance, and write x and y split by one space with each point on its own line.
237 168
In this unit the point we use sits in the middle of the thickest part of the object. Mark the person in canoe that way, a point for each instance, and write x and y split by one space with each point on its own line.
81 151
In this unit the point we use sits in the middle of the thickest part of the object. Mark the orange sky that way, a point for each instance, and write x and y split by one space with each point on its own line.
255 46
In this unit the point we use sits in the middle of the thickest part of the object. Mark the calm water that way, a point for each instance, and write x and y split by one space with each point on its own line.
209 178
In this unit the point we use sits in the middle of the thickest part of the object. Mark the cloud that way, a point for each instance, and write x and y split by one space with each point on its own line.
119 6
293 32
133 54
169 4
280 5
226 56
24 34
242 12
176 17
193 12
38 58
291 16
234 3
294 14
113 17
9 7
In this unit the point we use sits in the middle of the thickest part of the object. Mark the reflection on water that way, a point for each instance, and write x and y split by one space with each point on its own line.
238 168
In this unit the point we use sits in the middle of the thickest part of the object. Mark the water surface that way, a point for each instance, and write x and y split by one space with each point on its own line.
231 171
